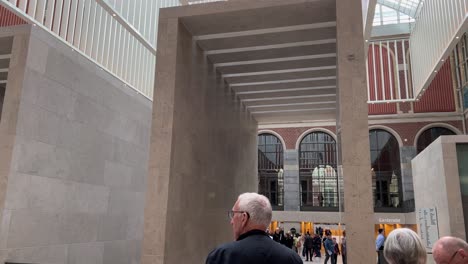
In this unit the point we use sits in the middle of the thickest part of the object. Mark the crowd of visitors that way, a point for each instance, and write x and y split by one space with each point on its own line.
310 246
251 215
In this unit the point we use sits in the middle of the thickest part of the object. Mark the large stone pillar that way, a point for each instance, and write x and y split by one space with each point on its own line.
291 180
407 153
203 153
353 134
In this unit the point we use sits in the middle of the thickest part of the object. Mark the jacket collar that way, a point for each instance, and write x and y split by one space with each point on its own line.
251 233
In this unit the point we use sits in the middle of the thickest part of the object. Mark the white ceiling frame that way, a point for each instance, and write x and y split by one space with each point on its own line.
292 110
295 58
284 81
290 104
288 97
275 46
289 90
265 31
279 71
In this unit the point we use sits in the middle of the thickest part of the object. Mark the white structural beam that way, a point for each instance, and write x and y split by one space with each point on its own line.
265 31
436 32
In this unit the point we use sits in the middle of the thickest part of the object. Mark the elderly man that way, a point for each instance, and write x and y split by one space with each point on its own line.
250 216
451 250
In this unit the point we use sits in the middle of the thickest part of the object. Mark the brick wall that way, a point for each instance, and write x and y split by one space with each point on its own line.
406 131
7 18
291 135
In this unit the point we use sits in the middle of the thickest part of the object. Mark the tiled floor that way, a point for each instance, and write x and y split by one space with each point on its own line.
322 260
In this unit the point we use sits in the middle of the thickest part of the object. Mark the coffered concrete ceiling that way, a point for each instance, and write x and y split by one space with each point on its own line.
279 60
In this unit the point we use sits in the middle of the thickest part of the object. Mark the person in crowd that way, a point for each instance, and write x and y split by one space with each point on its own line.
289 240
250 217
308 244
451 250
379 246
329 248
403 246
268 231
317 245
297 242
336 251
320 199
343 248
278 236
303 250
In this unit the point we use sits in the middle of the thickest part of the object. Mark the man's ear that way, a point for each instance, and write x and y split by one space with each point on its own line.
464 253
245 218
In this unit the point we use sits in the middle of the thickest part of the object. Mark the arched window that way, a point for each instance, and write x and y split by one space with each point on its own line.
430 135
317 172
270 169
386 169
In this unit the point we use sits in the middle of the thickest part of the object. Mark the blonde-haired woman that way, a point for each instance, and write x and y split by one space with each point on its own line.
403 246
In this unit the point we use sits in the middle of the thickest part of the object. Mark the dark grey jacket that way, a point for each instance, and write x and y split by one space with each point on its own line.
253 247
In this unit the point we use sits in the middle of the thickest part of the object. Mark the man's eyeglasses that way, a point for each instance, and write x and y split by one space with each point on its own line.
231 213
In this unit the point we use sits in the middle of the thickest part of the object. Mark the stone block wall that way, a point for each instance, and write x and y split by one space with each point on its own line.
77 140
437 181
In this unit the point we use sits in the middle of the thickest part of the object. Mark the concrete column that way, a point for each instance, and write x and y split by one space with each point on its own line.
407 153
353 134
12 97
291 180
203 154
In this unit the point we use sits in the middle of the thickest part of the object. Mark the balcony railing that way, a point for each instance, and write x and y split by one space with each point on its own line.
119 36
388 71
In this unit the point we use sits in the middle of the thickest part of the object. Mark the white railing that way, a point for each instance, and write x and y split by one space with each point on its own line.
119 36
438 26
388 71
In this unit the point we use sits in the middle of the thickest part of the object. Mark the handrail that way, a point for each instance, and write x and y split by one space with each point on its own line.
388 71
119 39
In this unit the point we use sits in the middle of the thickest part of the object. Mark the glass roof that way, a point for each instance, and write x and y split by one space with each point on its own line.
408 7
385 16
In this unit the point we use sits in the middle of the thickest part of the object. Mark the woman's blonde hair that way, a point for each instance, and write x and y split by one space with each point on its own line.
403 246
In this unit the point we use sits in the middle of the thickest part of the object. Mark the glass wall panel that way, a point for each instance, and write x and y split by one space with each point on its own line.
317 172
430 135
270 169
460 57
385 170
462 158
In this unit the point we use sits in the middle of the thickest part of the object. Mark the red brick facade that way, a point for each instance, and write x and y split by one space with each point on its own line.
291 135
7 18
407 132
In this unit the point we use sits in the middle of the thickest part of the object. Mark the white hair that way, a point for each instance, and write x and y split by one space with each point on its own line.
258 207
403 246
